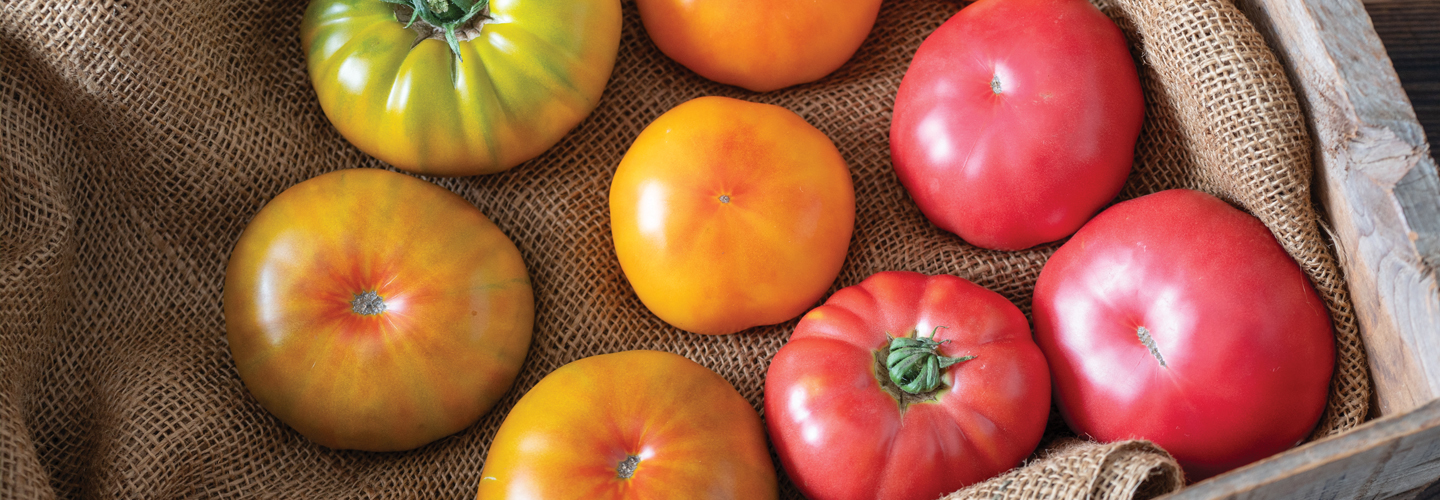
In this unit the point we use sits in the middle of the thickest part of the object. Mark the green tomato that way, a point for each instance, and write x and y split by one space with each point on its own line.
513 78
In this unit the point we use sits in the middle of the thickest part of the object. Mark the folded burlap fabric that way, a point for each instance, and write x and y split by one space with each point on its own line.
1072 468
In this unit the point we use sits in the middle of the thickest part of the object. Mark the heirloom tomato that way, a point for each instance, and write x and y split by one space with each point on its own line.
1017 121
730 214
906 387
1176 318
375 311
760 45
630 425
459 87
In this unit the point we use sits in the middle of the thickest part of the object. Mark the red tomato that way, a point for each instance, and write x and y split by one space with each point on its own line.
761 45
375 311
630 425
1017 121
730 214
846 429
1176 318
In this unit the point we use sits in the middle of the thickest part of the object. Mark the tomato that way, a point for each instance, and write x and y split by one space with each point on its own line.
527 72
1017 121
375 311
1176 318
760 45
730 214
857 415
630 425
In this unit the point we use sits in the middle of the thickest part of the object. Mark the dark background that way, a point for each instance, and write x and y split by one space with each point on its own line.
1410 30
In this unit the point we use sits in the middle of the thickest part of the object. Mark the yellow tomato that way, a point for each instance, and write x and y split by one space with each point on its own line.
375 311
761 45
630 426
729 214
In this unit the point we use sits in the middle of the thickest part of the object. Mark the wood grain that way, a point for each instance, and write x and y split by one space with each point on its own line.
1377 181
1394 457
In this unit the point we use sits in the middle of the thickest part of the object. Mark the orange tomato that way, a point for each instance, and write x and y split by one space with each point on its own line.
729 214
630 425
761 45
375 311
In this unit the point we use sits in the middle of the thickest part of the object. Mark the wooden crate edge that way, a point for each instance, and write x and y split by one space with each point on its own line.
1387 458
1379 186
1377 182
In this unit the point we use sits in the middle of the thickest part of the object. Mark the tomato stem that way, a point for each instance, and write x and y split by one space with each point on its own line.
915 364
1149 342
445 16
626 470
368 304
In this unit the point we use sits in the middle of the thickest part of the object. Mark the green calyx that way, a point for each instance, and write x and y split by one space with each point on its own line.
445 15
915 365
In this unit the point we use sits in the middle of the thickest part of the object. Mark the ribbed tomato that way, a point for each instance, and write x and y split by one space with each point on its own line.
730 214
906 387
631 425
521 74
375 311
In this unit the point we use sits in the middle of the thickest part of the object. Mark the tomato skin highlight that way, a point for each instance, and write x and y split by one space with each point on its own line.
456 325
760 45
1246 341
535 70
1017 121
729 214
841 435
570 436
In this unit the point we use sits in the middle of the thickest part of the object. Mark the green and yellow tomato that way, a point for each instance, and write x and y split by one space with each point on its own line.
375 311
464 89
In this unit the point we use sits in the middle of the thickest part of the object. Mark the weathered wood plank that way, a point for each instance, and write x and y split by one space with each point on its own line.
1410 30
1377 181
1394 457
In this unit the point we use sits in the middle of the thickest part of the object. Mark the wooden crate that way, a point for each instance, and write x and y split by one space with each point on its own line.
1377 180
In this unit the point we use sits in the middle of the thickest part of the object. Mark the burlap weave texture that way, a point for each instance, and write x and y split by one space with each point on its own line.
1071 468
138 138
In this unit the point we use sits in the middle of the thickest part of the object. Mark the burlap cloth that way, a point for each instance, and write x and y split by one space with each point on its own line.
138 137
